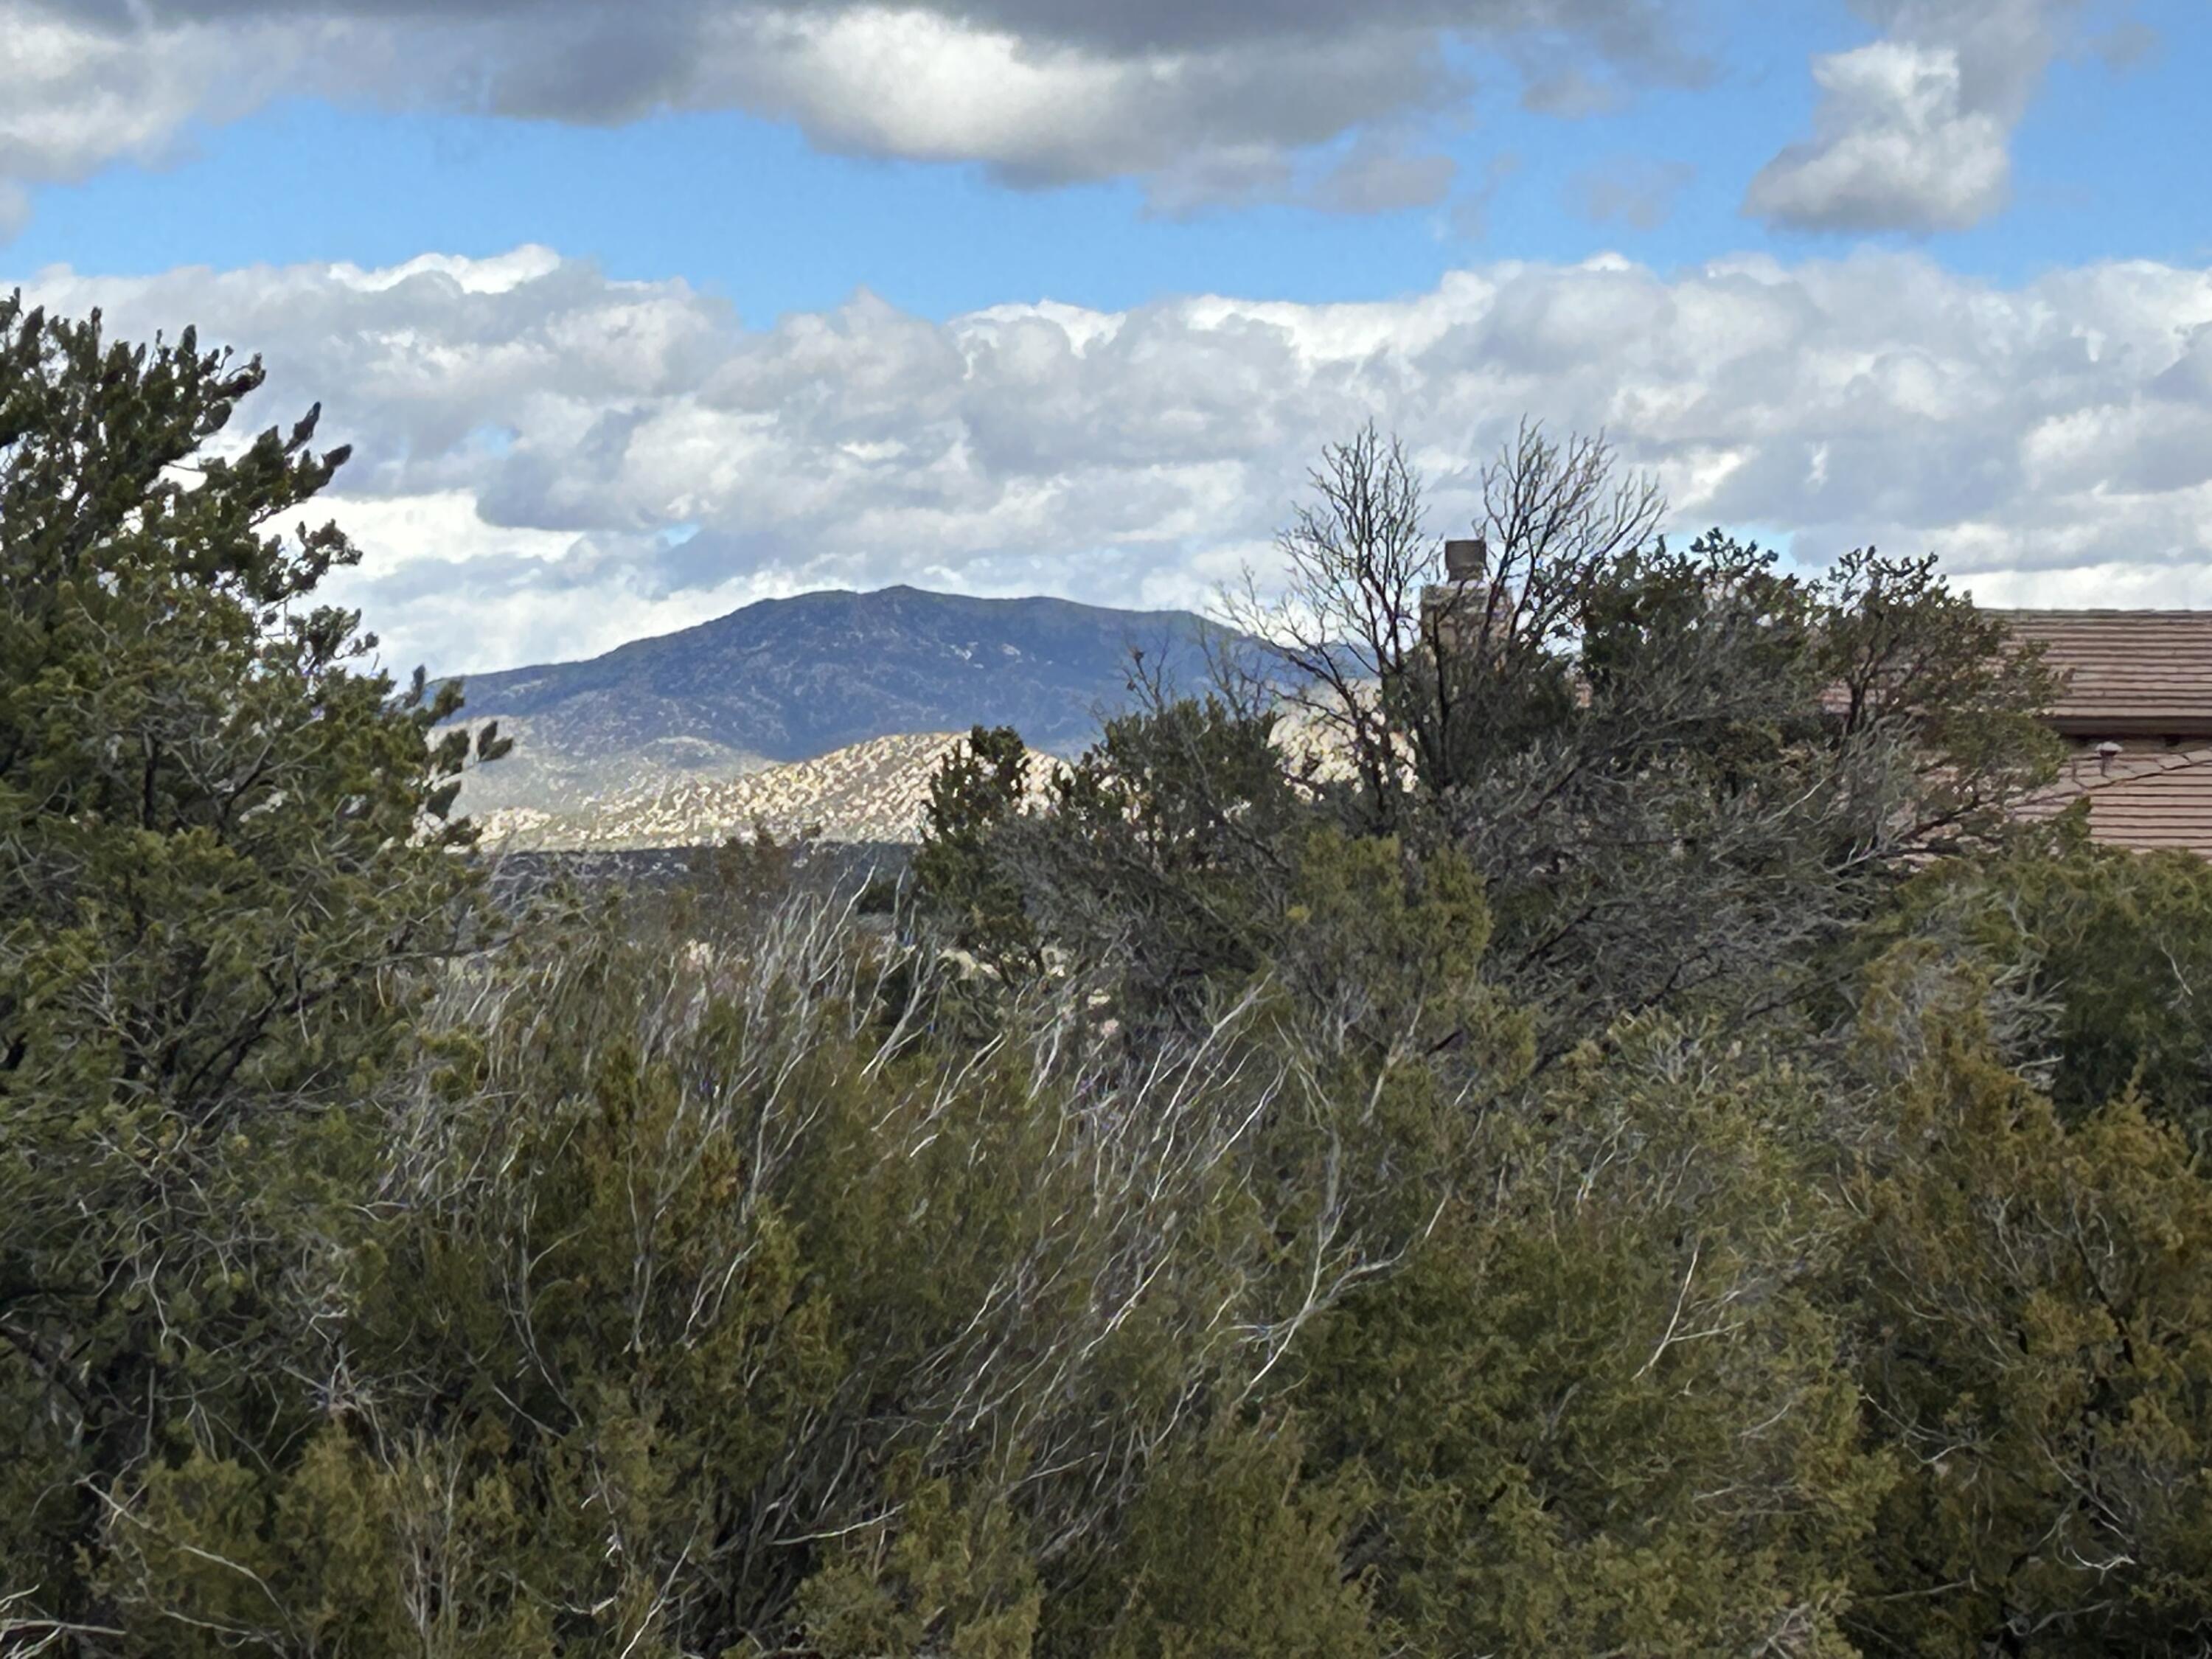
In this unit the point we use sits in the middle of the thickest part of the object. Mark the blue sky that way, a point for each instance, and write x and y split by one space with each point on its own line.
1935 193
747 208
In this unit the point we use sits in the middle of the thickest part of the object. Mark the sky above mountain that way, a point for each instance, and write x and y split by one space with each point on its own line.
637 312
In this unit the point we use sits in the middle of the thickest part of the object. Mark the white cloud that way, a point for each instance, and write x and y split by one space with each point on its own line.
500 274
1204 101
1913 131
549 460
461 592
1894 147
74 97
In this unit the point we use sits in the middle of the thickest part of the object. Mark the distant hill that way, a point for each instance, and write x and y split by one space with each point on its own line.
791 679
869 793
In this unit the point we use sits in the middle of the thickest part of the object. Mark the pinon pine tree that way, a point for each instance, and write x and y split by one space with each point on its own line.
228 851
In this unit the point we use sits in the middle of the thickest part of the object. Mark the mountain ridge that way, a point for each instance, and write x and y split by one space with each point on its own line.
790 680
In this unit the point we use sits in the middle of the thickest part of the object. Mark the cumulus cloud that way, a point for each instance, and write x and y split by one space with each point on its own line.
1200 99
1895 148
75 96
1913 130
549 461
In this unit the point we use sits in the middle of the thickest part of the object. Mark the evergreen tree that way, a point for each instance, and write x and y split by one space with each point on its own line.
2097 959
227 851
1682 771
2032 1307
1631 1155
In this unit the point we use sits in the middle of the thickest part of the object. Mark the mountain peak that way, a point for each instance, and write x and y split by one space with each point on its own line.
788 680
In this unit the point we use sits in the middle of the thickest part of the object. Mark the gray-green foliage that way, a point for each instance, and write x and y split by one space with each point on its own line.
1677 769
1614 1367
224 851
2099 961
1242 1211
722 1306
2032 1317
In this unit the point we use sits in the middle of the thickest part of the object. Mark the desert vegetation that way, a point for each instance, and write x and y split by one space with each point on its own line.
1615 1140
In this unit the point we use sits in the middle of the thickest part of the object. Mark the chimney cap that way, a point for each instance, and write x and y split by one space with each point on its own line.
1465 560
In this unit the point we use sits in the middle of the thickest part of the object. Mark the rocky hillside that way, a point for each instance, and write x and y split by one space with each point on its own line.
866 794
869 792
792 679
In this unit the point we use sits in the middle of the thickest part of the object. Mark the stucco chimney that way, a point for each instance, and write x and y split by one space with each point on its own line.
1467 561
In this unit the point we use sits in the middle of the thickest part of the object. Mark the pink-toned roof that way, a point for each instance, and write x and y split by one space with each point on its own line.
2146 800
2147 673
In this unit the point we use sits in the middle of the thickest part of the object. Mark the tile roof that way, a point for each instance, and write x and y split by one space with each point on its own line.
2147 673
2144 798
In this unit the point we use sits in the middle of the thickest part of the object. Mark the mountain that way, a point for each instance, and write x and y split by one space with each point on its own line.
792 679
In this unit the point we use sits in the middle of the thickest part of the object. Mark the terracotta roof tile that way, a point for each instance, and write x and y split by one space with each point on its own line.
2142 799
2142 671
